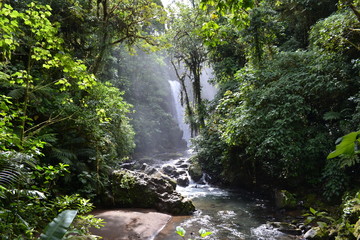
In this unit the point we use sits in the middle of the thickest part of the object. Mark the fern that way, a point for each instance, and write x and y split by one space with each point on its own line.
64 155
14 167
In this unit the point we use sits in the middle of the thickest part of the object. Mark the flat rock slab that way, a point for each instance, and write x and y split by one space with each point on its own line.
130 224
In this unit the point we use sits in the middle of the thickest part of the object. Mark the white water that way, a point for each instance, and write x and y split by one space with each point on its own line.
228 214
208 91
180 111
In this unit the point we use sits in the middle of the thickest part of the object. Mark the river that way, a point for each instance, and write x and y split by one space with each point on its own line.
228 214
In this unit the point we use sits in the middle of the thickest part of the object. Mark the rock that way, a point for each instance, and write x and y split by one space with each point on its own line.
316 233
184 166
148 169
311 234
181 172
284 199
169 170
183 181
165 177
195 171
139 190
285 227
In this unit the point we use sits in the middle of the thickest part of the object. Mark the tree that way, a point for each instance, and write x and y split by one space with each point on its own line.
92 28
278 124
52 97
188 56
41 50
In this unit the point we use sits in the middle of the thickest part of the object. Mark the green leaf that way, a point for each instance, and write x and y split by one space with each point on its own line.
346 146
180 231
313 211
204 233
58 227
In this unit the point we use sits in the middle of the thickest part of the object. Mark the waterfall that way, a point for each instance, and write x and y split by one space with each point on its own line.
179 110
208 91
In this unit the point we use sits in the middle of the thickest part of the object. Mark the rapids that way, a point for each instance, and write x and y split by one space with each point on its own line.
228 214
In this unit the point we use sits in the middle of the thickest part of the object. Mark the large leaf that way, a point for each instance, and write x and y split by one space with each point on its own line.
58 227
346 146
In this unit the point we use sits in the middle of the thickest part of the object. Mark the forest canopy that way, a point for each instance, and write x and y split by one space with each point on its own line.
84 87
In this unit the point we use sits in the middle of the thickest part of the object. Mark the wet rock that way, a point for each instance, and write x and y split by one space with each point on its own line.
148 169
182 172
139 190
183 181
310 234
180 162
195 172
284 199
316 234
285 227
184 166
169 170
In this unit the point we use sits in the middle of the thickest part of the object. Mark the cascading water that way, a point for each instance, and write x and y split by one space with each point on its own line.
227 214
179 110
208 91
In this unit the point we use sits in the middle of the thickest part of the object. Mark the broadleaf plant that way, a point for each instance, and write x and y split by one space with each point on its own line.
57 229
348 146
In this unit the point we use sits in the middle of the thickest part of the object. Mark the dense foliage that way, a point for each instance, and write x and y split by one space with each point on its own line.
63 124
277 117
79 92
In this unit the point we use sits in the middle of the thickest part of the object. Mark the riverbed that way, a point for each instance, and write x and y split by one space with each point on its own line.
227 213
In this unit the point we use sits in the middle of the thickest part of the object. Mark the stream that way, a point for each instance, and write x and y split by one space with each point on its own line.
228 214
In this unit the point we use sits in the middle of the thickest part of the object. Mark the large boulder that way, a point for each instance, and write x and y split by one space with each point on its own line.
135 189
195 171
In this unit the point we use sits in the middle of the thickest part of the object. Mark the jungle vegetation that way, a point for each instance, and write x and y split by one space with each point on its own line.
83 87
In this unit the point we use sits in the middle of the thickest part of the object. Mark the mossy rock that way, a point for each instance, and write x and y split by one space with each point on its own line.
195 171
139 190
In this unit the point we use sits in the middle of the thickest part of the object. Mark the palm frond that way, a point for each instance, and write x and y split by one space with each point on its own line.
14 167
